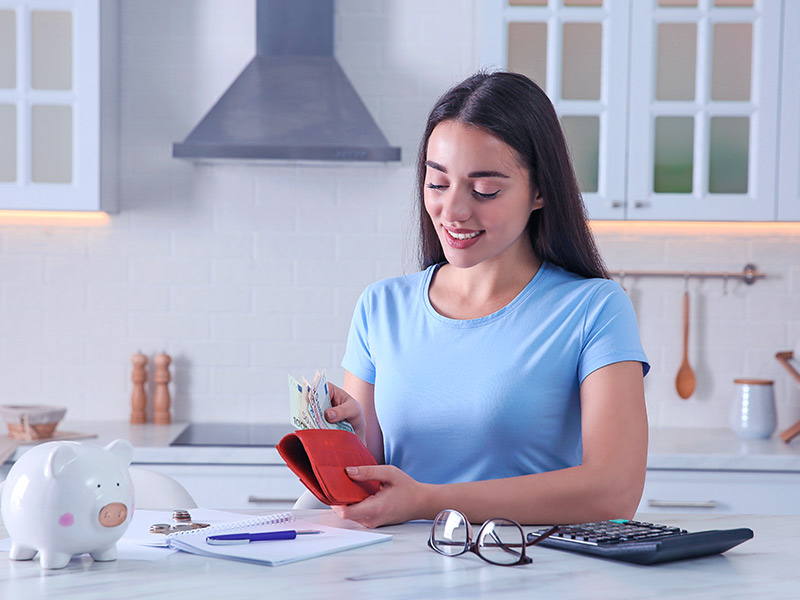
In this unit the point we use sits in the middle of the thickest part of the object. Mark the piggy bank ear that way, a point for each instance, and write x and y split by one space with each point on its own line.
122 451
59 457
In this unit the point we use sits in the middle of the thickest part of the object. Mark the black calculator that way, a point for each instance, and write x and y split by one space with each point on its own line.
641 543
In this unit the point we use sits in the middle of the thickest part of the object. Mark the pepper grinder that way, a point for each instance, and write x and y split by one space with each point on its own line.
161 399
138 395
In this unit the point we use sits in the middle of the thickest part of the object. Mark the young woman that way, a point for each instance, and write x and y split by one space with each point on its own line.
506 378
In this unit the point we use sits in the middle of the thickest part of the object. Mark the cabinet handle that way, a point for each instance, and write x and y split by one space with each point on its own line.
653 503
262 500
641 204
617 204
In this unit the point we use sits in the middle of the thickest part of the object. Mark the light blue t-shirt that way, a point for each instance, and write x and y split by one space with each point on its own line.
493 397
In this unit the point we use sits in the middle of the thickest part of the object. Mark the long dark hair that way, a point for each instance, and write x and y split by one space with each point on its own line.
516 110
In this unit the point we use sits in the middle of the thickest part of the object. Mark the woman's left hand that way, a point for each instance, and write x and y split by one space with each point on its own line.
399 499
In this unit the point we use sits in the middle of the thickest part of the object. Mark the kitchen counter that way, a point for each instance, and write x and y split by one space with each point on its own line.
763 567
669 448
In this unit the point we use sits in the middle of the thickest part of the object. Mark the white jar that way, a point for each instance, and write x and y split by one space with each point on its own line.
753 409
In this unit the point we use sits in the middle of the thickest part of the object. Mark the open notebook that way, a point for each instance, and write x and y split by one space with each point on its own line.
276 552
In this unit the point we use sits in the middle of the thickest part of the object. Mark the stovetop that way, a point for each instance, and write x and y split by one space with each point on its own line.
232 434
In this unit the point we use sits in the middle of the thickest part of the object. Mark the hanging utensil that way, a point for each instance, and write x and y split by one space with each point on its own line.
685 381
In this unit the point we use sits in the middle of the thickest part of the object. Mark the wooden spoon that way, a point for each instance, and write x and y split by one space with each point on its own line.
685 381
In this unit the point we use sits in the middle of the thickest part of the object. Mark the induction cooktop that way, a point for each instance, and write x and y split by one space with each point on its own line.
232 434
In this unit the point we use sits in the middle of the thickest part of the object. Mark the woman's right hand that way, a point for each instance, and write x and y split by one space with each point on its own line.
346 408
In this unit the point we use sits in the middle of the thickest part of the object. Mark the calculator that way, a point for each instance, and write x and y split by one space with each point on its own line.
641 543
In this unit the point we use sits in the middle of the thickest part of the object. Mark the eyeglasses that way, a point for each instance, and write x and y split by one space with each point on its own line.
499 541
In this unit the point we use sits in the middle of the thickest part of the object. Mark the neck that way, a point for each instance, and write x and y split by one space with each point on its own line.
468 293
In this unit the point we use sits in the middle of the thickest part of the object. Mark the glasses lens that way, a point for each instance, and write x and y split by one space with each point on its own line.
501 541
450 534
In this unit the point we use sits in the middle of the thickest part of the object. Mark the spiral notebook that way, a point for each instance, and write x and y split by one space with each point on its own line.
276 552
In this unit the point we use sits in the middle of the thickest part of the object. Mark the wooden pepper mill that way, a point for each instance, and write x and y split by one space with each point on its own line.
138 395
161 400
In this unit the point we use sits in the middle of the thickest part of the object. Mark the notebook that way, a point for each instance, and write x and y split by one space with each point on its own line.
276 552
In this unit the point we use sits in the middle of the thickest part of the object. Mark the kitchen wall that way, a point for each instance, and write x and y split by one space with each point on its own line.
246 272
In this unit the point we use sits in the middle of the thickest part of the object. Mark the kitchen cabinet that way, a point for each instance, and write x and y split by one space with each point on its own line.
235 486
671 108
709 491
789 134
58 105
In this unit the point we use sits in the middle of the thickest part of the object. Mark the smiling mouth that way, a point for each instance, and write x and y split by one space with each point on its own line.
463 236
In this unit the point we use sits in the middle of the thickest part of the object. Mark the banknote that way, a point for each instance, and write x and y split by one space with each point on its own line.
298 406
308 403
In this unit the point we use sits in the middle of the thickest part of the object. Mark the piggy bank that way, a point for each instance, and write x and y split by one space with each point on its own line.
65 498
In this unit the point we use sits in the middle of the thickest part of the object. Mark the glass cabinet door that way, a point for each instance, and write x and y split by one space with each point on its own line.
577 51
670 106
704 117
789 134
49 105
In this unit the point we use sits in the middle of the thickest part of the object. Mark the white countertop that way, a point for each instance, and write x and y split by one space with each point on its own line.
404 568
669 448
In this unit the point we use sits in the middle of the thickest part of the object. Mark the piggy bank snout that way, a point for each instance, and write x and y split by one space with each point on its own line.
113 514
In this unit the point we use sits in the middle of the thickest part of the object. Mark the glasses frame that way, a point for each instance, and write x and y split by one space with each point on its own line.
473 546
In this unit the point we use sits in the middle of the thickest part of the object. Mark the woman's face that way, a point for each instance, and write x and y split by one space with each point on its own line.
477 195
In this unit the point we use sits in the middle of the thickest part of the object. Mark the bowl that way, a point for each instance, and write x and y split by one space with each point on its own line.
32 421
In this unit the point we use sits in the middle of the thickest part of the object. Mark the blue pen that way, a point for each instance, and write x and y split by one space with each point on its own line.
246 538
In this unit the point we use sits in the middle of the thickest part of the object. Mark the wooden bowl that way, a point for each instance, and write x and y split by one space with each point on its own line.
33 421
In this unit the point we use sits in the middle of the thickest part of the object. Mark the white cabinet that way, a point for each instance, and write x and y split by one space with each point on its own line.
672 108
235 486
739 492
58 105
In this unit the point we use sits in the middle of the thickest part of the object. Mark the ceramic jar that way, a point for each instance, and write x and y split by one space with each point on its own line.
753 408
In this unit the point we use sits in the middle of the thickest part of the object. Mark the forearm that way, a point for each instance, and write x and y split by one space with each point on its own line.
573 495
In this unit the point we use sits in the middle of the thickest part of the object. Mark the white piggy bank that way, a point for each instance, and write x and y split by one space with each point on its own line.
65 498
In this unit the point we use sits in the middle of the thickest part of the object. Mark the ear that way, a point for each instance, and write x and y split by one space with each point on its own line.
59 457
122 451
538 203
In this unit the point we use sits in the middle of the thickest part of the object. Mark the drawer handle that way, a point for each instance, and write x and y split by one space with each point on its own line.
682 503
261 500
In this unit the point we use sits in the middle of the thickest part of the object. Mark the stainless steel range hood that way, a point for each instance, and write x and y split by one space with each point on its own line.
292 101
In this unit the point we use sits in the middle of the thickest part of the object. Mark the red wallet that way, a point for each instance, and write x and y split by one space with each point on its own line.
319 456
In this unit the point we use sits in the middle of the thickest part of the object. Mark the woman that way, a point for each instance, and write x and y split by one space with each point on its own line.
506 378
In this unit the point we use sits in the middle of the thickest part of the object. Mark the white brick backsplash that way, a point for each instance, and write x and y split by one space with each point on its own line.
296 356
66 295
237 246
252 327
244 272
99 270
291 245
85 324
20 322
152 271
211 299
127 297
168 326
21 269
278 272
299 300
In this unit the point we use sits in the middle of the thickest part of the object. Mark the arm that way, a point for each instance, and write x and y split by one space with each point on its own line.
357 405
364 394
608 484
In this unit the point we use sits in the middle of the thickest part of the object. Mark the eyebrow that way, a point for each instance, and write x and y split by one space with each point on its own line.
473 175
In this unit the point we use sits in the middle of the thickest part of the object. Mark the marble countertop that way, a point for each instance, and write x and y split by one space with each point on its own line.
669 448
404 568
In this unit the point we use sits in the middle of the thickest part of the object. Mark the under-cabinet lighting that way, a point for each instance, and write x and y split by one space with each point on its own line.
53 217
695 228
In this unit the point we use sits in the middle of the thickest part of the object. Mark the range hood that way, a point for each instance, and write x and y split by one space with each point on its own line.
292 101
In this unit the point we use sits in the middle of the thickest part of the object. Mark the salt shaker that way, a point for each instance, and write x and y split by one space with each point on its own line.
753 410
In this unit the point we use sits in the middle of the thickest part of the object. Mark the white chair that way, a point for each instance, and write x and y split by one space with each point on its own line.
308 500
155 490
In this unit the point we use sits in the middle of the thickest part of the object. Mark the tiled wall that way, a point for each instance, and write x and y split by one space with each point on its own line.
245 273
